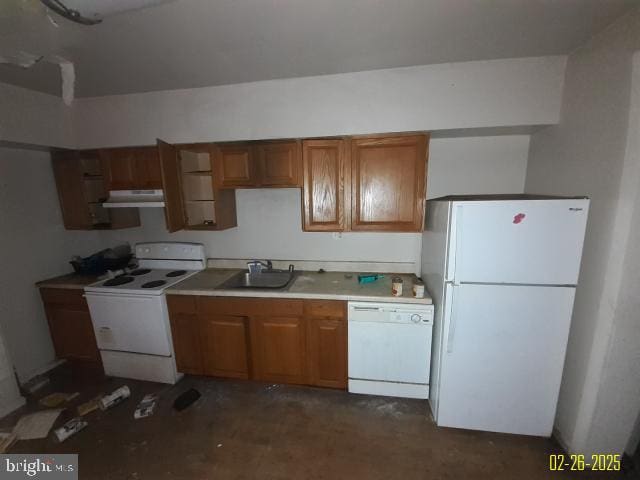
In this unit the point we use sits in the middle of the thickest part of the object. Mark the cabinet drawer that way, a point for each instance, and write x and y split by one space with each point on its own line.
62 296
249 306
181 303
325 308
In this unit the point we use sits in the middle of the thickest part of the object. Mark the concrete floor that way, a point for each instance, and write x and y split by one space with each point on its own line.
247 430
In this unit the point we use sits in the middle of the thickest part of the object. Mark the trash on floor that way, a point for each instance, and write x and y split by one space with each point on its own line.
58 398
6 440
114 398
146 406
36 425
70 428
36 383
185 399
89 406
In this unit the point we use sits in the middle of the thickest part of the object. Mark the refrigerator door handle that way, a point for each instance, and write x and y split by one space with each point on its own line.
451 331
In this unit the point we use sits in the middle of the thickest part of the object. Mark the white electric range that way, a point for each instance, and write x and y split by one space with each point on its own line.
129 312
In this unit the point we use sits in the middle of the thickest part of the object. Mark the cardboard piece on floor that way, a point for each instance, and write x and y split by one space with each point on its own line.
57 398
89 406
6 440
36 425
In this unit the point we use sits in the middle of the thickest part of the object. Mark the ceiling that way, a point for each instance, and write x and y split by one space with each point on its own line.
196 43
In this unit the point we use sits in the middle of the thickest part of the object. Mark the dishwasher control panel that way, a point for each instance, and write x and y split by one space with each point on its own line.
391 312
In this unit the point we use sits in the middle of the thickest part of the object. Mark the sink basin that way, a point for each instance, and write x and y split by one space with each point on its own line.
265 279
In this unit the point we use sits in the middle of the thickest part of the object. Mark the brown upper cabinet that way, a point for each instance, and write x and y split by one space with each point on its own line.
260 164
388 177
373 183
235 166
326 183
192 199
135 168
279 164
81 191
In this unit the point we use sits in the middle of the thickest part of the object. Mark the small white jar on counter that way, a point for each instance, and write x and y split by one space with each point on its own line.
418 289
396 286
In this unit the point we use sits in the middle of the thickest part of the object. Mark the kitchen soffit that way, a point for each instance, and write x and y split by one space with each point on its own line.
196 43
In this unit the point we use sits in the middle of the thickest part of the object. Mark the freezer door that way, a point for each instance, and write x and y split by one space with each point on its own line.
502 357
517 241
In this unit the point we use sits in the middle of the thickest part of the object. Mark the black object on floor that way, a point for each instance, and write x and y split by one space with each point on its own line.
186 399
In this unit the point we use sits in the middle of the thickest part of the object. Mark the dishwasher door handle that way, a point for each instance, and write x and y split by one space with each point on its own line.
367 309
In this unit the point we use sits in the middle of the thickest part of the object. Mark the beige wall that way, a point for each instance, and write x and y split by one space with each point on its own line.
588 154
34 118
496 93
33 246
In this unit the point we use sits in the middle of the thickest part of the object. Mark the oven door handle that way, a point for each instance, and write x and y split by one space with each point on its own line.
119 295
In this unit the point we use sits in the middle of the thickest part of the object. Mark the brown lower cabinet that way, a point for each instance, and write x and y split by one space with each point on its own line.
225 346
185 332
70 325
274 340
279 349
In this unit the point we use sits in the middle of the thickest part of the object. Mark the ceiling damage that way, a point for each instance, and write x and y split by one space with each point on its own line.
151 45
36 17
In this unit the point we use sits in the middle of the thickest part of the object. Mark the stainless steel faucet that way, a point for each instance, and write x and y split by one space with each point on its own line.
256 266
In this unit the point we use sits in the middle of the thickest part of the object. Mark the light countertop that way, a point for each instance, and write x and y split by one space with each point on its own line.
306 285
69 281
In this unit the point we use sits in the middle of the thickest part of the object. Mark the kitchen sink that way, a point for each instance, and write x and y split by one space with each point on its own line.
266 279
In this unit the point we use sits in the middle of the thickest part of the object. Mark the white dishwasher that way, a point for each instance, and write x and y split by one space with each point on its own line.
390 348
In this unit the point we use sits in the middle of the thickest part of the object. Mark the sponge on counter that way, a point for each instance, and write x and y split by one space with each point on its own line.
369 277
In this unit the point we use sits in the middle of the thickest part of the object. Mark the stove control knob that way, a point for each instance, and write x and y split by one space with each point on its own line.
415 318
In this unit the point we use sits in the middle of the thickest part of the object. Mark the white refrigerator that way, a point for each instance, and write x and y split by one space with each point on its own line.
502 271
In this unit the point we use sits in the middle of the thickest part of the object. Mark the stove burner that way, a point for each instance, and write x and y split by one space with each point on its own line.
114 282
153 284
140 271
176 273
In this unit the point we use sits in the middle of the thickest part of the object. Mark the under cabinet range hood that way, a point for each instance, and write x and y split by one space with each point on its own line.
134 198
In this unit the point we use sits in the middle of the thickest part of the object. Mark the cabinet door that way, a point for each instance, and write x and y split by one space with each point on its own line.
146 164
327 352
325 185
185 333
72 334
279 349
170 170
235 166
73 204
388 183
279 164
70 325
118 168
224 345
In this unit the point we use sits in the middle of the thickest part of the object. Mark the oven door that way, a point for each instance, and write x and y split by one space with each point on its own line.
130 323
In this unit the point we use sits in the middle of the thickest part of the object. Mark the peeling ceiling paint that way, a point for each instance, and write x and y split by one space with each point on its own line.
196 43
